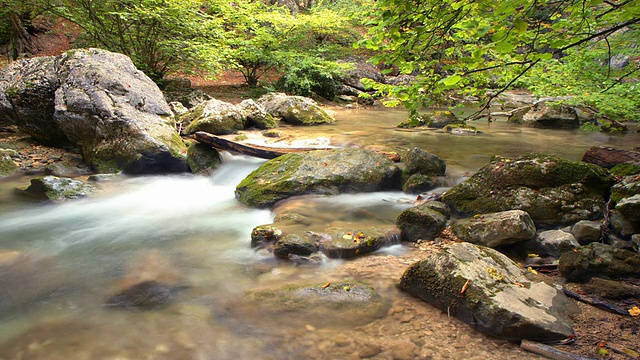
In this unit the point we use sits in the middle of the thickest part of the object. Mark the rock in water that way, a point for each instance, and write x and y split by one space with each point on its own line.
487 290
496 229
98 101
322 172
295 110
552 190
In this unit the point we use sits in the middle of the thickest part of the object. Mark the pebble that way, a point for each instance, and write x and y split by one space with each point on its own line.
369 351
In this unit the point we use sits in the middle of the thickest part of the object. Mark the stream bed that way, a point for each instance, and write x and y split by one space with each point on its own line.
71 256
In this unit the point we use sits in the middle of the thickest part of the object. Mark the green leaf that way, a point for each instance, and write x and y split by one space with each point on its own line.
505 47
520 25
452 80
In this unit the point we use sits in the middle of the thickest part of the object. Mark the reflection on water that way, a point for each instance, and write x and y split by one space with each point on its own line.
59 263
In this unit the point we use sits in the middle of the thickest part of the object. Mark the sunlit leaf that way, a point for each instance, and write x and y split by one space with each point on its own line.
452 80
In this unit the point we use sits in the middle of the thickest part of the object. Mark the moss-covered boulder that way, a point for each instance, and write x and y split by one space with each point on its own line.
418 183
7 165
322 172
213 116
496 229
255 116
435 119
551 115
265 235
56 189
597 259
487 290
423 222
554 191
294 110
294 244
629 207
423 171
203 159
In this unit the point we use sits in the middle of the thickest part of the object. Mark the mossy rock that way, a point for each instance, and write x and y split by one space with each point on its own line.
7 166
350 243
597 259
422 222
213 116
554 191
203 159
626 169
294 244
435 119
629 186
490 292
264 235
56 189
322 172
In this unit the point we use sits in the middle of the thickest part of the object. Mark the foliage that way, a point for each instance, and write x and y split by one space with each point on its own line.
302 47
158 35
470 46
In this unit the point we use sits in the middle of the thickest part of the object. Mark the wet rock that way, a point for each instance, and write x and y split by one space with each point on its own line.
53 188
500 299
7 164
418 183
552 190
322 172
610 289
419 161
462 129
203 159
549 115
586 231
598 259
150 280
344 303
435 119
212 116
255 116
362 69
65 169
556 242
294 244
294 110
423 222
264 235
348 243
496 229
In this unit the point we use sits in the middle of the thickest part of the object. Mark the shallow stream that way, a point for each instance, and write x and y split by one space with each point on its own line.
68 258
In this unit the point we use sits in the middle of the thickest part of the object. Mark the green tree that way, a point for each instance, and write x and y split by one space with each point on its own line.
160 36
16 15
469 46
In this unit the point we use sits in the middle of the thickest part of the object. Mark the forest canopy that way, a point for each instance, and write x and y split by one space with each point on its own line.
456 49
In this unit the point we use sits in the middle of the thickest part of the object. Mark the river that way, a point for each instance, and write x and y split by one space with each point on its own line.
67 259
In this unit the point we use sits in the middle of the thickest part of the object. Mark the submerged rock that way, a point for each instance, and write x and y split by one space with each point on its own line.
294 110
552 190
348 243
322 172
496 229
294 244
489 291
598 259
344 303
436 119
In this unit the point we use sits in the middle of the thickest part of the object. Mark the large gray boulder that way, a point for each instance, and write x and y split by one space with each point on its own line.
254 115
213 116
551 115
98 101
554 191
321 172
294 110
487 290
496 229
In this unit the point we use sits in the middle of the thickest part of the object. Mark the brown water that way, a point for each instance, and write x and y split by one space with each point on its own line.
59 263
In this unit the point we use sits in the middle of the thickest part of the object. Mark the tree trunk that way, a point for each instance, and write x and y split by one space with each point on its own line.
609 157
21 43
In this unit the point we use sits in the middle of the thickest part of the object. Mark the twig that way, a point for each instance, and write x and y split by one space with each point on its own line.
549 351
597 303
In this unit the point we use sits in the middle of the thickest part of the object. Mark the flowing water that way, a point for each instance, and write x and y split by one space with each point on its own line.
60 263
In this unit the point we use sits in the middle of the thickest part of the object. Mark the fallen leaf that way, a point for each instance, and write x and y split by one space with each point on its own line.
347 288
632 353
602 351
634 311
518 284
465 287
346 237
533 255
326 285
530 269
310 327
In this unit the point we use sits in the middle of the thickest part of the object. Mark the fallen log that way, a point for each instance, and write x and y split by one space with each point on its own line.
549 351
609 157
597 303
263 152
